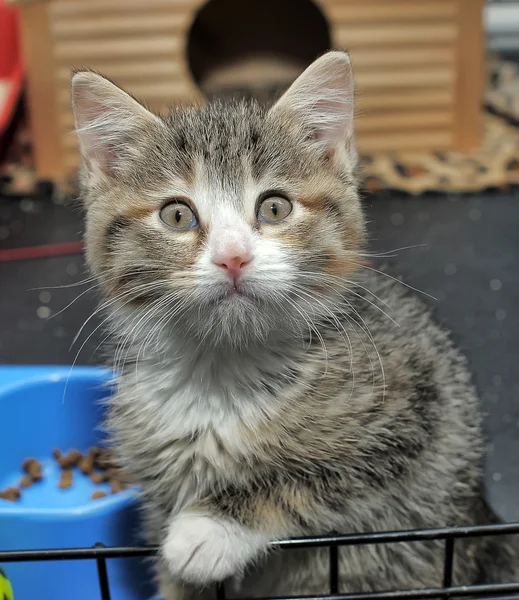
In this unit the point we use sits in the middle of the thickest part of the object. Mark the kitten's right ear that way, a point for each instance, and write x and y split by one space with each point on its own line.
108 123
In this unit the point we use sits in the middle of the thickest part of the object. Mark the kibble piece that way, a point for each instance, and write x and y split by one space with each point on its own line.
86 465
34 471
115 486
98 494
12 494
105 459
61 459
26 481
71 459
27 464
95 451
32 467
66 479
74 456
97 477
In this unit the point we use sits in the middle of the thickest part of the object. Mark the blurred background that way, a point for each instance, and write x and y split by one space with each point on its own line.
438 130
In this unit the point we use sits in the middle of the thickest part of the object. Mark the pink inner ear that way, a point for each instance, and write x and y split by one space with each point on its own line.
107 161
93 132
333 125
322 98
108 120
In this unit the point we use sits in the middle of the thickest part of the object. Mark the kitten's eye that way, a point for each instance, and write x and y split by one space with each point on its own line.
274 209
179 216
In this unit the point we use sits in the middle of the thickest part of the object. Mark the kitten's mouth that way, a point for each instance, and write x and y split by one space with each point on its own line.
232 294
236 293
237 289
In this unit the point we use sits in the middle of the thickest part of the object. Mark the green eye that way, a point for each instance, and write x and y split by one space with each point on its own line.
274 209
178 216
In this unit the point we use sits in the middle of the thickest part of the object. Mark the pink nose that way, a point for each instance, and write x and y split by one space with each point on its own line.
233 263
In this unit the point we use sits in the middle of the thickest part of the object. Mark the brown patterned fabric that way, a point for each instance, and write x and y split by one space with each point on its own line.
502 93
495 165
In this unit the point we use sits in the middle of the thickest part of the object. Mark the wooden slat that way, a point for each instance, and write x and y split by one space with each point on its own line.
364 58
390 10
401 121
98 7
470 70
401 78
416 140
376 35
41 93
132 24
392 99
133 71
85 51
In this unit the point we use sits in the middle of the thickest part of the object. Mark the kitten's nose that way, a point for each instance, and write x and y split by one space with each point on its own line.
233 262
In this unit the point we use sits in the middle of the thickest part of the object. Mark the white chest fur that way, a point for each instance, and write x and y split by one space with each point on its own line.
181 436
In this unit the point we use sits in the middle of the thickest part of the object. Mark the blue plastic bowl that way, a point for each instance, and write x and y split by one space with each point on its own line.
43 408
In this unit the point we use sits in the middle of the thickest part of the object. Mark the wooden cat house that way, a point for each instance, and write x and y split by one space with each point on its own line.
418 63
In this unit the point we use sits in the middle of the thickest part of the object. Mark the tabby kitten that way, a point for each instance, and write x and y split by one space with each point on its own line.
271 385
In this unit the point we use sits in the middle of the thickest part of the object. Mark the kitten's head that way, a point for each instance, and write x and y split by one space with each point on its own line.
224 223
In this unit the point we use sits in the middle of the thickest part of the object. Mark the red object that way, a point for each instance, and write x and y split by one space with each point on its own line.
11 64
41 251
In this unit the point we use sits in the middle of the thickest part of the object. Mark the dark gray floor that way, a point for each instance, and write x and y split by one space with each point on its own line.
468 261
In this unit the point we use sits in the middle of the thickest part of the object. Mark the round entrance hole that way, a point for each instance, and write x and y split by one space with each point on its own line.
254 48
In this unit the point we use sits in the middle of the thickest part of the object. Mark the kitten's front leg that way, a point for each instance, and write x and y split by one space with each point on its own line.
226 532
201 548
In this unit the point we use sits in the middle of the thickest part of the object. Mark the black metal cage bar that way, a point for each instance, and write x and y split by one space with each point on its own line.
102 576
501 591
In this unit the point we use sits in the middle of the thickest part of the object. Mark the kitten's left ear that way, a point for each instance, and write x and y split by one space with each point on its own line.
109 123
321 99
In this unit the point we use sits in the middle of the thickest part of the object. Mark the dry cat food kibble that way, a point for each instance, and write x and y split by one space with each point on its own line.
66 461
66 479
98 464
12 494
86 464
98 477
33 473
115 486
104 459
26 481
95 451
32 467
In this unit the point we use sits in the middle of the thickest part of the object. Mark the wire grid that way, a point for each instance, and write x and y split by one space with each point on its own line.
498 591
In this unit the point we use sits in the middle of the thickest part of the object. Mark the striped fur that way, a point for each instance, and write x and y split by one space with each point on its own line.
322 398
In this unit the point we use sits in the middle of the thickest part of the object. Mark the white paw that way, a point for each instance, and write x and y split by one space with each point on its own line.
201 550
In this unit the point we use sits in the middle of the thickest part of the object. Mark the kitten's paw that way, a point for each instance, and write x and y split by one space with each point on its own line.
200 549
